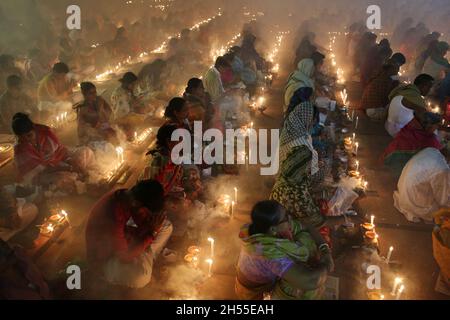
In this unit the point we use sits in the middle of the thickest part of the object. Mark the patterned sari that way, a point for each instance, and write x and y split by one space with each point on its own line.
264 259
292 187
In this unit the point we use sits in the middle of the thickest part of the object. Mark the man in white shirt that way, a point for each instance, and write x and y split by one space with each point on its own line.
407 101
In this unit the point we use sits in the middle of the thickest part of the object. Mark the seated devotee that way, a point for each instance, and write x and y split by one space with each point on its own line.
160 166
129 110
281 257
306 48
414 137
42 160
15 214
55 91
177 113
406 100
246 74
150 75
249 52
213 80
367 42
375 98
424 186
292 187
437 65
20 278
94 117
302 77
424 55
199 105
126 231
374 61
14 100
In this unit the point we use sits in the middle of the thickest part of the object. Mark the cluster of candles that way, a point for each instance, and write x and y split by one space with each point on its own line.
227 203
117 165
352 146
222 50
55 221
143 136
60 120
193 256
6 147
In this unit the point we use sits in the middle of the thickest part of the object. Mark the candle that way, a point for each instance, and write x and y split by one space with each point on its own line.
246 162
232 209
357 165
388 258
235 195
365 184
66 216
399 292
356 124
372 219
211 240
356 148
397 282
210 263
135 136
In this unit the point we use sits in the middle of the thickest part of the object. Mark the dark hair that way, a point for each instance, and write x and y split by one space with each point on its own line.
164 134
150 193
21 124
175 105
385 43
317 57
60 67
128 78
13 81
398 58
221 62
422 79
265 214
86 86
235 49
193 84
229 57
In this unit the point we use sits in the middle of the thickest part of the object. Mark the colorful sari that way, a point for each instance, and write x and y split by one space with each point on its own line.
292 187
264 259
33 159
408 142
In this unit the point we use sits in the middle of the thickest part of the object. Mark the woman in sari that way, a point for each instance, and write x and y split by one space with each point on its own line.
42 160
302 77
177 113
161 168
199 104
281 257
414 137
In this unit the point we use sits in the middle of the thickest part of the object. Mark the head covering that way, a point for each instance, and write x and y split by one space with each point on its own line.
410 92
302 77
301 95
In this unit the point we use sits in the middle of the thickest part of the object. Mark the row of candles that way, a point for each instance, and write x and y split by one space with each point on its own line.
371 238
60 120
351 146
160 49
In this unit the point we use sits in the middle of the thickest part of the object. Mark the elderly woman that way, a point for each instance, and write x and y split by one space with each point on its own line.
199 104
42 160
299 162
302 77
281 257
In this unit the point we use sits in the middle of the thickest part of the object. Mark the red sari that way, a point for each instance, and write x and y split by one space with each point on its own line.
48 151
409 141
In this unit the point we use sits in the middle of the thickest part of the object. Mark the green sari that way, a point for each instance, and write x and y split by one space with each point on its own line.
302 250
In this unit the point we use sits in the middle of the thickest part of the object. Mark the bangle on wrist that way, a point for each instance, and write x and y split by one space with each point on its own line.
324 247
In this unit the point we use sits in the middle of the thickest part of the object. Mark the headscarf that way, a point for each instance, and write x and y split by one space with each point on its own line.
302 77
297 132
410 92
301 95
